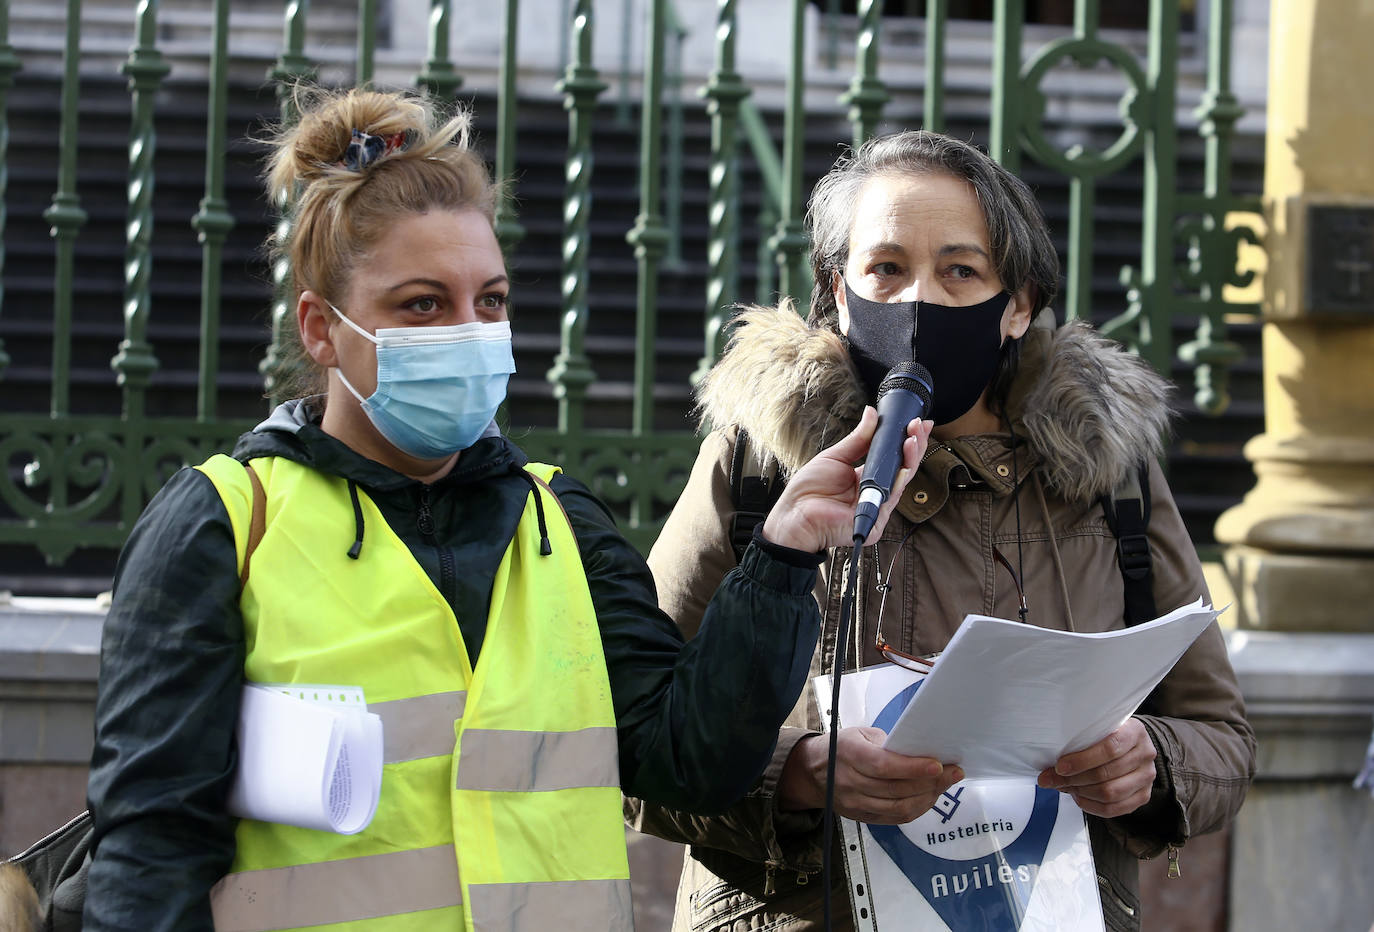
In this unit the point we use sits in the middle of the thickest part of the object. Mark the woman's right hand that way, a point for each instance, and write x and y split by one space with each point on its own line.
816 509
872 784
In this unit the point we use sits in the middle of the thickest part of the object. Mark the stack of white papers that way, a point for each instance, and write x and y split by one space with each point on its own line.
1006 700
309 756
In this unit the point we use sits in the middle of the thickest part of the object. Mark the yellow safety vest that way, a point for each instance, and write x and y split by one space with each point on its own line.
500 801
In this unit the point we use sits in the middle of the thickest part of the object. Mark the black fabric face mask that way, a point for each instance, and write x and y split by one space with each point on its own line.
959 345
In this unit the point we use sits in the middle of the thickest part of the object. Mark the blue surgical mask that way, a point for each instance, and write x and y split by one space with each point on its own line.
437 387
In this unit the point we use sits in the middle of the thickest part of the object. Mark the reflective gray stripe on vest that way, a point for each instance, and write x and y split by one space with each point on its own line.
337 891
535 761
567 905
419 727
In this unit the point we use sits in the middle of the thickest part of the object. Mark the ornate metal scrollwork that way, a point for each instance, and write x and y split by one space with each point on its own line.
1135 102
1212 256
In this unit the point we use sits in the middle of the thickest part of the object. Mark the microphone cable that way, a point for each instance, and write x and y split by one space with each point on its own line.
841 648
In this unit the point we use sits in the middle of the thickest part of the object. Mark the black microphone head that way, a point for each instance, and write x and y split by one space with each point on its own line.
911 376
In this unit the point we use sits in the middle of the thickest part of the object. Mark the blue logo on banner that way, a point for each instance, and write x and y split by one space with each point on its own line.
984 901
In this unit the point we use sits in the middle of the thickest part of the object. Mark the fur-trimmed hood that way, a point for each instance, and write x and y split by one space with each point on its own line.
1090 411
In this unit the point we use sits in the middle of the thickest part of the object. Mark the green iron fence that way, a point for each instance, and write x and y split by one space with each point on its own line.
71 480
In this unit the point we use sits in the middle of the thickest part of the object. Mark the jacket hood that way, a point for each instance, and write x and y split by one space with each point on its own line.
1090 411
793 388
293 431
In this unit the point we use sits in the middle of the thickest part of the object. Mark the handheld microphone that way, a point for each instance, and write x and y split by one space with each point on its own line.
905 393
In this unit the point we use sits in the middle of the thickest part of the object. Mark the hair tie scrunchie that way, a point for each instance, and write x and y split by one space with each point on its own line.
364 148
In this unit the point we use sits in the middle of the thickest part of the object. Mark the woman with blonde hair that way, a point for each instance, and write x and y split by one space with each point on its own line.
384 533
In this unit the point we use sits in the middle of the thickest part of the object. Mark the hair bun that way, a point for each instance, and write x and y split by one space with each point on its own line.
321 144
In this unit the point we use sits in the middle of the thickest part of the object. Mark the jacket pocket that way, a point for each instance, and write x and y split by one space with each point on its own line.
758 899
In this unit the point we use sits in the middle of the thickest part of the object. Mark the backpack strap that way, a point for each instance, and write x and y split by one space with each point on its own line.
1128 515
257 524
753 491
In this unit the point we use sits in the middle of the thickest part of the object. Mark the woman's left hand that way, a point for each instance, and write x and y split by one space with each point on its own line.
1110 778
816 510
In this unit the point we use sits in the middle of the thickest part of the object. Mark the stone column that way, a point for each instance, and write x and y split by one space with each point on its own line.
1301 544
1300 547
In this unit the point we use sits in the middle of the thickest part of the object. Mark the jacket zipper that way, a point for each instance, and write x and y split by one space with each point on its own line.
425 522
1107 889
931 448
1174 869
770 878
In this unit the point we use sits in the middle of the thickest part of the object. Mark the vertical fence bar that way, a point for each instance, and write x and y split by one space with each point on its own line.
572 370
770 169
135 362
1157 233
438 75
649 238
367 40
1078 290
213 221
831 19
1082 201
291 66
867 94
66 217
789 242
933 116
1219 109
723 92
508 229
145 68
9 64
673 83
622 105
765 291
1003 137
1210 352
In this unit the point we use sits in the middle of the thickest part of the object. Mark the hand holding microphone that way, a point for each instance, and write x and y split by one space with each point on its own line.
904 394
817 509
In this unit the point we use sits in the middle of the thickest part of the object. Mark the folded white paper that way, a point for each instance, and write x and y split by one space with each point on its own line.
309 756
1006 700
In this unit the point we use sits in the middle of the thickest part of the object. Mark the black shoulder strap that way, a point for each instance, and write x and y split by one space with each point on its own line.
1128 515
753 492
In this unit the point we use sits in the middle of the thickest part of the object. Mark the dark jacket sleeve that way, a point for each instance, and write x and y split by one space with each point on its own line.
690 560
697 722
171 672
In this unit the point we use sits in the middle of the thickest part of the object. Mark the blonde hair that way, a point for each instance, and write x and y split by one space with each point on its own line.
337 212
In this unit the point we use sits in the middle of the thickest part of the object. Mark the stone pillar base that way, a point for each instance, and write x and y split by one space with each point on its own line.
1302 851
1300 592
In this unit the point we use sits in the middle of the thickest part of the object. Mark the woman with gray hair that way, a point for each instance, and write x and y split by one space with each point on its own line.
925 249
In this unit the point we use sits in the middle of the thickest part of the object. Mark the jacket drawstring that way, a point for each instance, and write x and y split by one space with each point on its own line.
1054 551
545 548
357 547
1022 611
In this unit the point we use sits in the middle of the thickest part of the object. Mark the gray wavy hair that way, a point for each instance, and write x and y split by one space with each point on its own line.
1022 251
